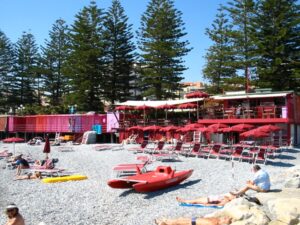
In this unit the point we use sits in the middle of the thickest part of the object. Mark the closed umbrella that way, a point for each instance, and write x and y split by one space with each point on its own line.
47 147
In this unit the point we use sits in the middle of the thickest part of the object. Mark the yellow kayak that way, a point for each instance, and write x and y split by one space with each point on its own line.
64 178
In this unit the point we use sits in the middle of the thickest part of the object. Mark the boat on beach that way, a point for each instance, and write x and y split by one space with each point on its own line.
163 177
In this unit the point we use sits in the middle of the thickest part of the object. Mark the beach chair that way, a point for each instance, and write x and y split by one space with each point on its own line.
47 165
156 149
261 156
195 150
140 148
214 152
177 149
237 153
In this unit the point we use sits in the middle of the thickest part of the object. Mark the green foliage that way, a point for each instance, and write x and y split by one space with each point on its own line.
53 61
85 65
220 58
7 60
25 82
119 54
277 38
162 49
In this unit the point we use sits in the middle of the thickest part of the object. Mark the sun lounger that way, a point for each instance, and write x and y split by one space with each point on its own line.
201 205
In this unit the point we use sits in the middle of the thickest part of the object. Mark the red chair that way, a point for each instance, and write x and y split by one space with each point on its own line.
261 157
195 151
215 151
141 148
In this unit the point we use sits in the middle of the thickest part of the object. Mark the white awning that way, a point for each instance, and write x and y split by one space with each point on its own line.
158 103
247 96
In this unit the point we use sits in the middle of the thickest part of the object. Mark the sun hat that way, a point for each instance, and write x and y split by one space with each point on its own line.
11 206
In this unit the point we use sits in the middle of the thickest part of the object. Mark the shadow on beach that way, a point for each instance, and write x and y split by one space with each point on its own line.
280 164
287 157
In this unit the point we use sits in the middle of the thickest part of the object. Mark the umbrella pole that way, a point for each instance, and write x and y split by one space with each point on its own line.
166 114
144 117
14 148
197 111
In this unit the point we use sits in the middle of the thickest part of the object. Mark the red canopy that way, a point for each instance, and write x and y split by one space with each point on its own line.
47 146
197 94
226 130
202 129
135 128
124 107
169 128
152 128
241 127
254 133
194 125
269 128
166 106
187 106
142 107
12 140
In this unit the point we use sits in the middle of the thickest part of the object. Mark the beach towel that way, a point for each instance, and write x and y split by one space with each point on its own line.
201 206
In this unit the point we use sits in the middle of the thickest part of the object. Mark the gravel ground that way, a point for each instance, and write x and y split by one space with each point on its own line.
92 201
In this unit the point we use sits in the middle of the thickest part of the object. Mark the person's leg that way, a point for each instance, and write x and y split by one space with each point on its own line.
249 186
179 221
193 201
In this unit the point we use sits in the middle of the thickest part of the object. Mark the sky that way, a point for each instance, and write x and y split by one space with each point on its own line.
38 16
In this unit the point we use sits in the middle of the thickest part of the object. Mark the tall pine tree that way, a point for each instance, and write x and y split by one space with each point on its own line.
119 54
160 40
55 54
85 65
278 42
7 60
25 80
219 57
241 13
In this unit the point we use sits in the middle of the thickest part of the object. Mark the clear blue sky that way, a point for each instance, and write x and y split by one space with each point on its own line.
37 17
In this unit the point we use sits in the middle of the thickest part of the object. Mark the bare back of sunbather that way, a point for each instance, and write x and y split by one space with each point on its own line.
219 200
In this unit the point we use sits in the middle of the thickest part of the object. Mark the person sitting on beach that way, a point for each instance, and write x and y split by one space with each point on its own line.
14 217
195 221
128 140
29 176
21 163
213 200
260 183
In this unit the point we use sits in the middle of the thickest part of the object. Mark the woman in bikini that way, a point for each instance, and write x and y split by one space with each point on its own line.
213 200
29 176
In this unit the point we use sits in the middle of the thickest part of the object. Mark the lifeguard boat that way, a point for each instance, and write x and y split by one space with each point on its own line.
162 177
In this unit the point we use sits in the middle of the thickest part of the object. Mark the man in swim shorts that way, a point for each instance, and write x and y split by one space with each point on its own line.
195 221
213 200
14 217
260 183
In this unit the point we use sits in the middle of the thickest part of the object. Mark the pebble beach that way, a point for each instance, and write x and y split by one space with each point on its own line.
92 201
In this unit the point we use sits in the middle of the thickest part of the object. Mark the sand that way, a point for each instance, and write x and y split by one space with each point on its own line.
92 201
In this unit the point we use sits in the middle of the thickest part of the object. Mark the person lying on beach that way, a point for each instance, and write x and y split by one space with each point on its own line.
30 176
13 215
21 163
214 200
195 221
260 183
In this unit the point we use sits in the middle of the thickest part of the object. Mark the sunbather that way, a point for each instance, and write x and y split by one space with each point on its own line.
195 221
29 176
21 163
14 217
260 183
214 200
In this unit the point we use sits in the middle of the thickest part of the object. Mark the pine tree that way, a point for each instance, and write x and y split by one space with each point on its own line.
54 58
218 69
119 54
278 43
25 80
162 49
241 13
86 62
6 70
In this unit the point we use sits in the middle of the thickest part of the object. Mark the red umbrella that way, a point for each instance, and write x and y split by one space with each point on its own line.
152 128
124 107
241 127
269 128
166 106
226 130
13 140
197 94
135 128
187 106
47 146
169 128
254 133
203 129
217 126
143 107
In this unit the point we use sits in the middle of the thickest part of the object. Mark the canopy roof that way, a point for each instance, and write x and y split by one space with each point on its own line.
158 103
251 95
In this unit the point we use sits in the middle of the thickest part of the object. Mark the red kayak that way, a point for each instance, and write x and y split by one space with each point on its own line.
162 177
